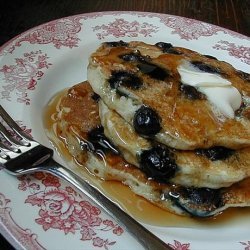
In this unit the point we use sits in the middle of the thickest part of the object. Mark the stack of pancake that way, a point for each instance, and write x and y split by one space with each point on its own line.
172 124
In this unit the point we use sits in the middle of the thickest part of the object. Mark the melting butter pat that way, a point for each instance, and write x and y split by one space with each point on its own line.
219 91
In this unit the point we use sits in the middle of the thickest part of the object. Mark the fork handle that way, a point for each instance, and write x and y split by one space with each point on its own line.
140 233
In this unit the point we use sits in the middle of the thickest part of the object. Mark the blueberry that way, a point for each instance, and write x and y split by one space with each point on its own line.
97 142
173 51
116 44
205 67
167 48
164 46
199 202
211 57
95 97
146 121
124 78
133 57
191 92
157 163
145 67
216 153
202 195
153 71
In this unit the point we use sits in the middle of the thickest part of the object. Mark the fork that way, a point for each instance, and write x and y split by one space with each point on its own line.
20 154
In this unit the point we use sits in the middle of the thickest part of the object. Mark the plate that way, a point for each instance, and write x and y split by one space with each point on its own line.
43 212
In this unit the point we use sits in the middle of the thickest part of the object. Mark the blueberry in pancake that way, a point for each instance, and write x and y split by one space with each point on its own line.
215 167
174 95
78 125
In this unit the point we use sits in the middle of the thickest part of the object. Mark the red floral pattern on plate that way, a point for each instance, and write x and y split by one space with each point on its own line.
65 33
122 28
61 32
65 210
246 245
179 246
24 75
190 29
187 29
240 51
25 237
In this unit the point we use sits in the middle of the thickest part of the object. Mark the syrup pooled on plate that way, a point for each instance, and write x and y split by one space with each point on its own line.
137 206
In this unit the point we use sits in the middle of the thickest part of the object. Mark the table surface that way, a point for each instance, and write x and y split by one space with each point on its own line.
18 16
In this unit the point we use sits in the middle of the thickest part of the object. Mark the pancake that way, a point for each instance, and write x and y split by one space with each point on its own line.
214 168
79 127
176 96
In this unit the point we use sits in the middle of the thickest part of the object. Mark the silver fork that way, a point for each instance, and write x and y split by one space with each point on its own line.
23 155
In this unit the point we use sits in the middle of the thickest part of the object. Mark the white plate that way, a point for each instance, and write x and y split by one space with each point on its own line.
42 212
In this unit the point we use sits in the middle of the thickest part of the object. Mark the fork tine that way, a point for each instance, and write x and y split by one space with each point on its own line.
25 139
6 153
15 152
37 157
11 147
3 157
7 136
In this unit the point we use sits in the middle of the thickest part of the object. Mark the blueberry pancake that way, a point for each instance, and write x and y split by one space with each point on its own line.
176 96
78 125
214 167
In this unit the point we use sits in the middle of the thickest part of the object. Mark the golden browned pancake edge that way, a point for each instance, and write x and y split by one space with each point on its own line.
78 114
185 123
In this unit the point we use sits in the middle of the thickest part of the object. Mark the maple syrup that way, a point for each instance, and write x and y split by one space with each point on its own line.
137 206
